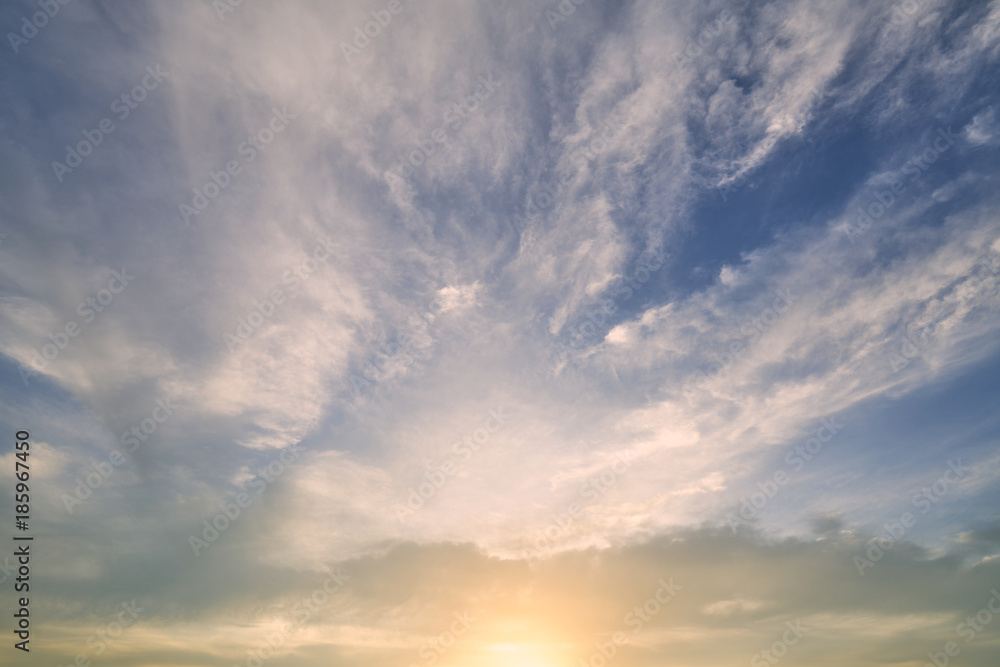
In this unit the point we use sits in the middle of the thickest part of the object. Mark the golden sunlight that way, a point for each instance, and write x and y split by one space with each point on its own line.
522 655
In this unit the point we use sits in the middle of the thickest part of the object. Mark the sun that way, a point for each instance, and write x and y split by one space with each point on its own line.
520 655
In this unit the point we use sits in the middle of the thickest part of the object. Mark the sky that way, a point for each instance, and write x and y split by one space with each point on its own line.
501 334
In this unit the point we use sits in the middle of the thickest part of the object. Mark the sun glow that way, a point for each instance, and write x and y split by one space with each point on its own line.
521 655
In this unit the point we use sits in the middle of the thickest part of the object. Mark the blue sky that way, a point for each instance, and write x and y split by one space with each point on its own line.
614 243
